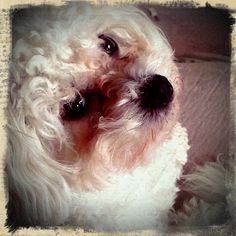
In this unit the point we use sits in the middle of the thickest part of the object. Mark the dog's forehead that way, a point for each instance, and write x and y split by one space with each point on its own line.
113 12
109 18
126 26
84 21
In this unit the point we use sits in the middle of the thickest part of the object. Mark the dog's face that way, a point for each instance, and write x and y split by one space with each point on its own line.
98 87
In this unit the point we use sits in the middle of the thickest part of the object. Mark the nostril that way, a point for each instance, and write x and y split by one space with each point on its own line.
156 92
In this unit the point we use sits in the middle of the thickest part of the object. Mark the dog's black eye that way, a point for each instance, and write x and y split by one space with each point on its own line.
109 45
74 109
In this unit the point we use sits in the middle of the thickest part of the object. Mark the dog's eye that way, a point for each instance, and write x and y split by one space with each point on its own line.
109 45
75 109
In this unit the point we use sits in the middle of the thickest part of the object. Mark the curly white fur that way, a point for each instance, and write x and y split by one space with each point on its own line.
210 194
116 169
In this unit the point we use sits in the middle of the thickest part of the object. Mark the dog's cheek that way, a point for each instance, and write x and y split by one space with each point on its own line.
81 134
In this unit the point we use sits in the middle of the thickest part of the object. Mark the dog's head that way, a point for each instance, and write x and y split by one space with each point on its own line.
96 87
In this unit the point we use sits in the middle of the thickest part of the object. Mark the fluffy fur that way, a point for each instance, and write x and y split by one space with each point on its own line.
210 188
114 168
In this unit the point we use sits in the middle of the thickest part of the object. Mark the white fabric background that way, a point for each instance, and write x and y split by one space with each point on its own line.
206 107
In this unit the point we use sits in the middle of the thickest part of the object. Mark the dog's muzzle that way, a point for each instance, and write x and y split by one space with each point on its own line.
156 92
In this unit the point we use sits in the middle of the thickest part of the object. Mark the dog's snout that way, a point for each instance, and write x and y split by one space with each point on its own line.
156 92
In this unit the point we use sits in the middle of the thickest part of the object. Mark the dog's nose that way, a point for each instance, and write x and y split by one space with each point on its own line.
156 92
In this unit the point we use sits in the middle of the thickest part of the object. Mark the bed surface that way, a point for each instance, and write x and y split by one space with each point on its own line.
205 107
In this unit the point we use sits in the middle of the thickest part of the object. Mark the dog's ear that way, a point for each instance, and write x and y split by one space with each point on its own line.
37 180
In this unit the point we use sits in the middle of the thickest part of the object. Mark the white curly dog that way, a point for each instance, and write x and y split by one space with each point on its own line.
94 138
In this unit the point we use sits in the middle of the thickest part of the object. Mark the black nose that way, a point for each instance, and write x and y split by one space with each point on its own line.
156 92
